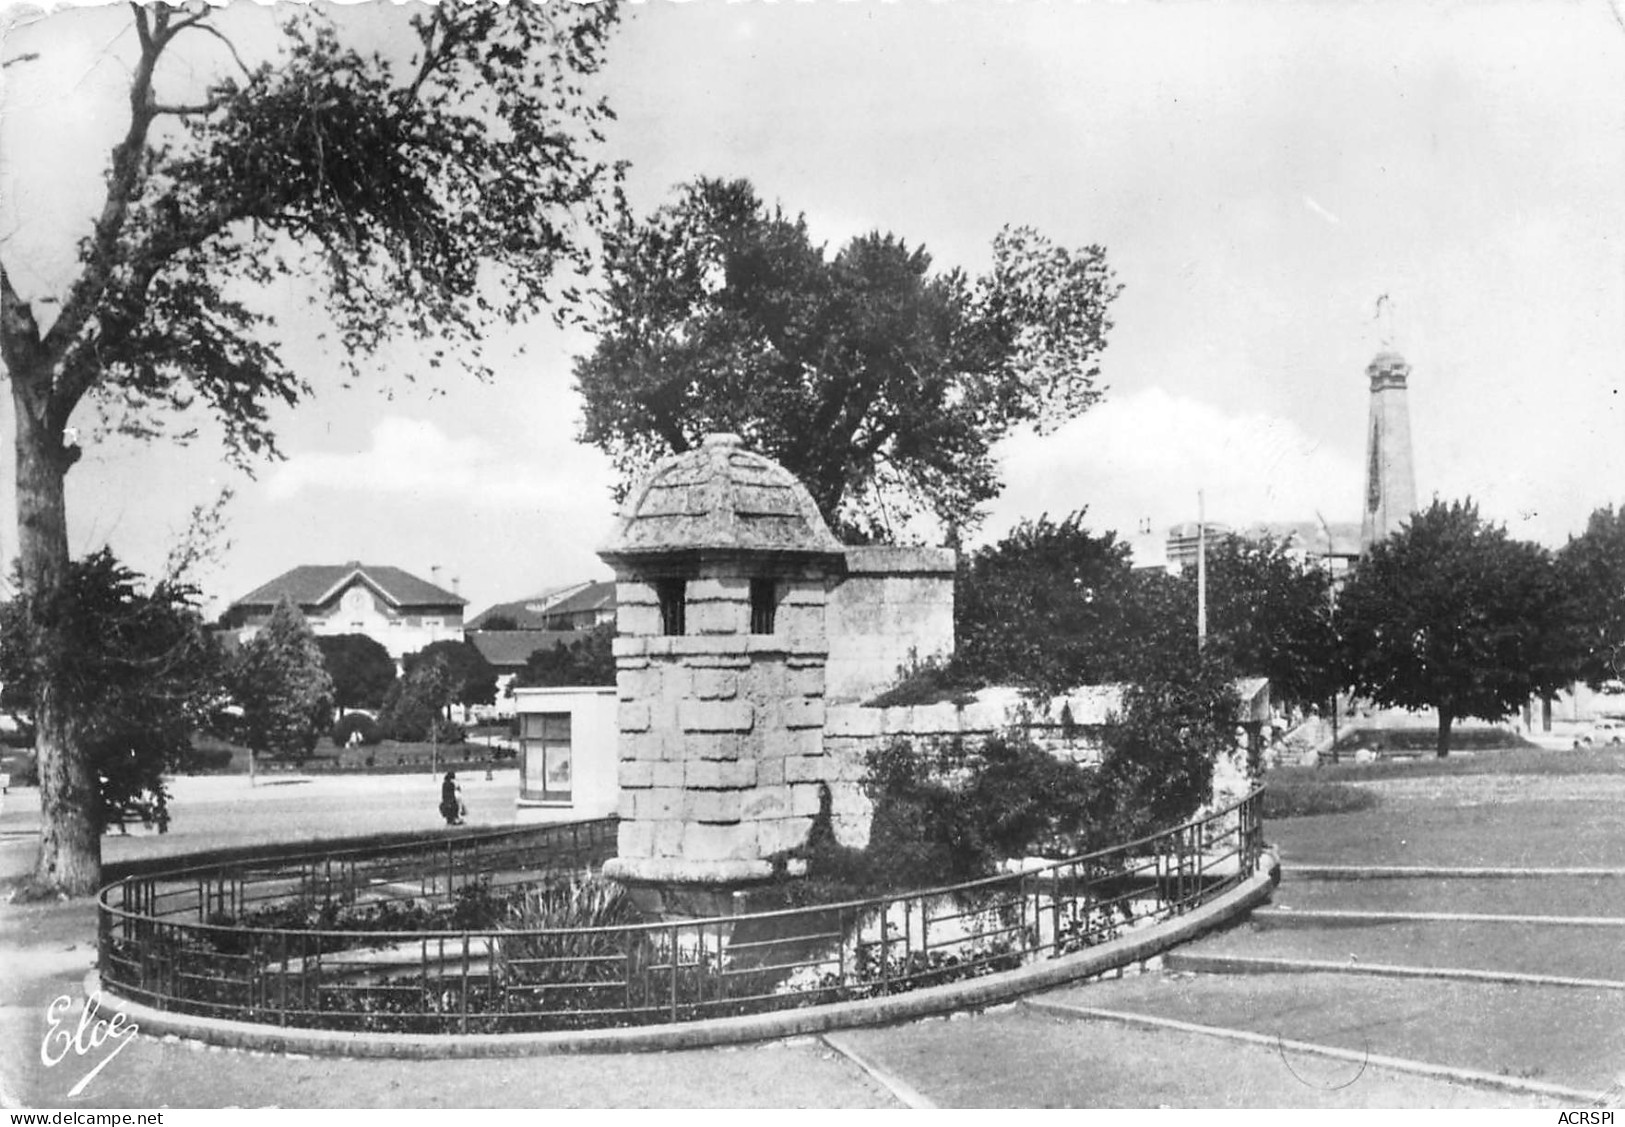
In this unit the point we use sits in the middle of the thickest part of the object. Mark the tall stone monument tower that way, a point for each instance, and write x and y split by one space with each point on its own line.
1390 476
723 569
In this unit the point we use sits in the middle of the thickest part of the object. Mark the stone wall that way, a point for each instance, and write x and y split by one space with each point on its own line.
895 608
851 731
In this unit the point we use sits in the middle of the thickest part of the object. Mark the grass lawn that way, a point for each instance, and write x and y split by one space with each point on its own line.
1502 761
1553 1034
1347 787
386 757
1535 834
1506 947
1012 1057
1424 740
1503 896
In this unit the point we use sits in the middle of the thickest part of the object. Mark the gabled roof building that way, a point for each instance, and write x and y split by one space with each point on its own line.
579 606
393 607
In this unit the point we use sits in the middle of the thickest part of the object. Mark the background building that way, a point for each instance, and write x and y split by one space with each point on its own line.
394 608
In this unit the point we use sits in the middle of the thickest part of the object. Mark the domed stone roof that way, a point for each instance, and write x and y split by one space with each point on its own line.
720 497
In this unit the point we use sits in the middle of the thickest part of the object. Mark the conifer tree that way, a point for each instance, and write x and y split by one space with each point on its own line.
281 683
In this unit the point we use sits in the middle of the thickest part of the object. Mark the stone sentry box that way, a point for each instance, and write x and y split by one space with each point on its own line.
723 568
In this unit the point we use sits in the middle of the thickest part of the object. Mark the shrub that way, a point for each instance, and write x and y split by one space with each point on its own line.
24 770
1025 800
921 833
1160 749
1414 741
205 760
413 708
447 731
953 815
930 682
1309 799
353 723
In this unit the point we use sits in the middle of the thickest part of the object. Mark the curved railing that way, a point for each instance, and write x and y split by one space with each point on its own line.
177 940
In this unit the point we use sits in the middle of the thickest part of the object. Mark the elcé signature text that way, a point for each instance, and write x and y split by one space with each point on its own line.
93 1033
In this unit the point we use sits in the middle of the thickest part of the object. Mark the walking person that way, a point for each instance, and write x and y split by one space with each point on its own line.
451 800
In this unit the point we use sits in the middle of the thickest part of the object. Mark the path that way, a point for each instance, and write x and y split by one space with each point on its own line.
1509 968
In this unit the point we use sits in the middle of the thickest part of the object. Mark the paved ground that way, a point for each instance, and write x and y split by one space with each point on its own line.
1012 1056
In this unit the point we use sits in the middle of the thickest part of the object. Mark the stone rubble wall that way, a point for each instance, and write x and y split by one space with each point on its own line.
852 731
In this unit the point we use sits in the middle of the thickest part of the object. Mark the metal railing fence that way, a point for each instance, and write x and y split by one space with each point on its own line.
178 941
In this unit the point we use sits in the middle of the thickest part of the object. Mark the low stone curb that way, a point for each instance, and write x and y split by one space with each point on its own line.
904 1092
1394 1064
1333 917
975 993
1426 872
1253 964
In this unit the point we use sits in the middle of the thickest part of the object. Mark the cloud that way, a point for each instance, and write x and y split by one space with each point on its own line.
414 458
1144 457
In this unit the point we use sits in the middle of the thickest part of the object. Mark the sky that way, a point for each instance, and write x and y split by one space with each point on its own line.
1259 174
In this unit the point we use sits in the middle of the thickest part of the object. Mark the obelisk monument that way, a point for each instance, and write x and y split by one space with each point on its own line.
1390 482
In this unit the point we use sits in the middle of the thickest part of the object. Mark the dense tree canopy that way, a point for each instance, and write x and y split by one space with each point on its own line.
589 660
138 669
1173 725
361 669
416 705
470 679
882 385
1592 566
1453 614
1045 607
427 197
1270 615
1053 606
280 682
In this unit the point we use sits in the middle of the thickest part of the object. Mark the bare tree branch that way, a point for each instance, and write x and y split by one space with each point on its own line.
122 179
218 34
186 111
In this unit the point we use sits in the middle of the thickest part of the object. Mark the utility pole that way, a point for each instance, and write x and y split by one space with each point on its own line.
1331 613
1201 571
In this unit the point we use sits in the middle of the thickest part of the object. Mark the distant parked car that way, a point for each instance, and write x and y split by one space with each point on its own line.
1605 731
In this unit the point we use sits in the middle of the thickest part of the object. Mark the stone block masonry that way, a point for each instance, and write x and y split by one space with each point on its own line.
893 609
740 617
721 741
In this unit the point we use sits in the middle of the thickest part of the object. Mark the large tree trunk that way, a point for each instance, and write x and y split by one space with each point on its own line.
1446 719
70 850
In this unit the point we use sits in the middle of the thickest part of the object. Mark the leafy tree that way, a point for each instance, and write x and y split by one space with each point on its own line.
1161 747
590 660
880 384
470 679
281 683
1453 614
1053 606
1592 566
428 198
1270 616
138 670
1045 607
361 669
499 621
415 707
